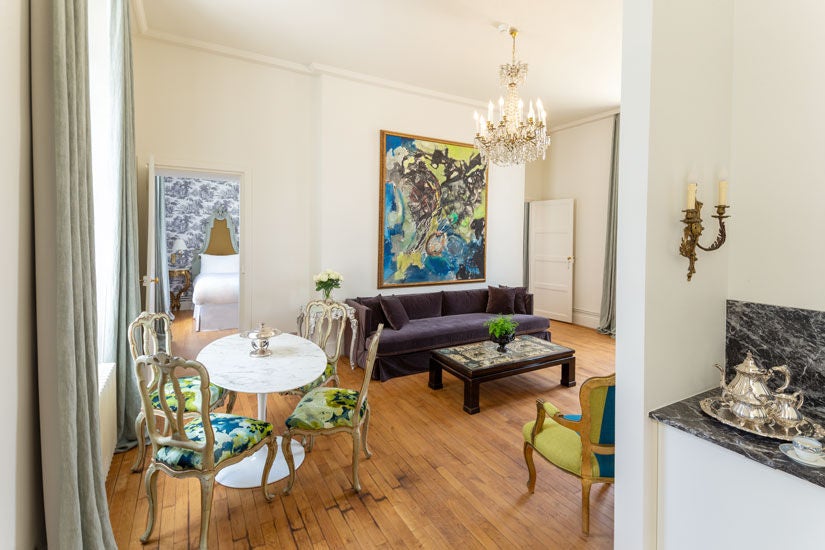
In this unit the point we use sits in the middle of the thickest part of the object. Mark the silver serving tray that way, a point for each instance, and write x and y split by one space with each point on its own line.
720 410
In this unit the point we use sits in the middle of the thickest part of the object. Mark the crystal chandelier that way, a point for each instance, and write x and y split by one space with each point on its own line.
512 138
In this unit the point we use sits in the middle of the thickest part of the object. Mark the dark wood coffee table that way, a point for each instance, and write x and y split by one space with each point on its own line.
481 362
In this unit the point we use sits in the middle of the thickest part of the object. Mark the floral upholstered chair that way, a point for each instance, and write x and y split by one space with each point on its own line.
582 445
193 447
145 334
324 411
318 321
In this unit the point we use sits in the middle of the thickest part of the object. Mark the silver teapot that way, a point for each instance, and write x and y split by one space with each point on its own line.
748 394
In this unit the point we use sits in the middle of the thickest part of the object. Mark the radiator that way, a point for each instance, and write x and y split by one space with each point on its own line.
107 409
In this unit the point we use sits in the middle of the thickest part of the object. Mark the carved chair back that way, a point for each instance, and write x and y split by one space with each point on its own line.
320 319
164 370
150 333
371 353
598 423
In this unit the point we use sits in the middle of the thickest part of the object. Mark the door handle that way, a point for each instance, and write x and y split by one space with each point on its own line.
150 280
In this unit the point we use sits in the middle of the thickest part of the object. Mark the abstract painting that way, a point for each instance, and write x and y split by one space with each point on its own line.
432 212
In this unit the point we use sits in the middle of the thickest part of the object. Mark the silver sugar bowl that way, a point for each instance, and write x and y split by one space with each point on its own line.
260 339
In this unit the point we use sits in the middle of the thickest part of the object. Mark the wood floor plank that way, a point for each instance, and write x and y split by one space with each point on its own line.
438 476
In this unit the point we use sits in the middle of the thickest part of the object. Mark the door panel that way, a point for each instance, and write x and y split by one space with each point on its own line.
551 258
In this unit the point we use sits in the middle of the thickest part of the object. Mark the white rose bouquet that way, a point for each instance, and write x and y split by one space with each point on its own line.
326 280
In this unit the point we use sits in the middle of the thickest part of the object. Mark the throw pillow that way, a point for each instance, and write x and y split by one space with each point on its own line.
520 304
394 312
501 300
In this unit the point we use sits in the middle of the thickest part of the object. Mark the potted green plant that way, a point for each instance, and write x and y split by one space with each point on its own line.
502 330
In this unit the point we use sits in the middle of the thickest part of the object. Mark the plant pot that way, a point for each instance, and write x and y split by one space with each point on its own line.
503 340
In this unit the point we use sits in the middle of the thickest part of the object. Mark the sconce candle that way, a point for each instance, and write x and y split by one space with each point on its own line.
723 192
691 196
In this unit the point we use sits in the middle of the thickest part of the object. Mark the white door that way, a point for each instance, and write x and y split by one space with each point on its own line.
150 280
551 258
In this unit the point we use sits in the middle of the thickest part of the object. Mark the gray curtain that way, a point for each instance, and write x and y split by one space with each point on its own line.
78 492
127 270
607 319
163 301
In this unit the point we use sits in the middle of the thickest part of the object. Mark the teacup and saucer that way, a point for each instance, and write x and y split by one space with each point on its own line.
805 450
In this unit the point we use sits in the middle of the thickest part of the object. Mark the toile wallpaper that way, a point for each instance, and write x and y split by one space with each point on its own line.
190 203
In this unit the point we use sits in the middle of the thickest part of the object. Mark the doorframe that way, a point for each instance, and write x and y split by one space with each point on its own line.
244 176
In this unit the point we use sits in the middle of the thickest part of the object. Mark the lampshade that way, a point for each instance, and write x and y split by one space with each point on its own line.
178 246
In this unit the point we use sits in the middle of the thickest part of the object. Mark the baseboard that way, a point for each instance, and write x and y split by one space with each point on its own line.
586 318
107 410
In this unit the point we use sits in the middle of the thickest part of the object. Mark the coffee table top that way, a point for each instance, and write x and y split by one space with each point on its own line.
485 355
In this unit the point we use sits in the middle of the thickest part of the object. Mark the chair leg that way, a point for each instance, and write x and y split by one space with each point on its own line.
231 404
207 485
140 422
366 429
586 483
531 468
151 482
271 451
286 447
356 453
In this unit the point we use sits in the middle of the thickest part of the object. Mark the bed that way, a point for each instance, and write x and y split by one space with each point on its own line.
216 276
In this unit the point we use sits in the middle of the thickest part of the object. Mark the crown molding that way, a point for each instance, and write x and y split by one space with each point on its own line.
310 69
586 120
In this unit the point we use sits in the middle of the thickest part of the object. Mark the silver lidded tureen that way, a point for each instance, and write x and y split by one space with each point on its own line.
260 339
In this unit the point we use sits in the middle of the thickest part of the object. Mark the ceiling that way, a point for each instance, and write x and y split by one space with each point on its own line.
573 47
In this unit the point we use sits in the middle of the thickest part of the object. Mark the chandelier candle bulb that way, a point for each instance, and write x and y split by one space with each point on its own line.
475 118
531 115
691 196
723 193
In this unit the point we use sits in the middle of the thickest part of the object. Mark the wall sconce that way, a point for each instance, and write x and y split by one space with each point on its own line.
693 225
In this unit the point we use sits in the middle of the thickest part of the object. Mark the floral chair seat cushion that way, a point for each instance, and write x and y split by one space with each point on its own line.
190 386
324 408
328 373
233 435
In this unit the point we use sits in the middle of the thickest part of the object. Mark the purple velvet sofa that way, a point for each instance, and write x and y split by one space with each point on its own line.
437 320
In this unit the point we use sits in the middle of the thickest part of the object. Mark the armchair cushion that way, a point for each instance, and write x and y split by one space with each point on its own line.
233 435
563 447
190 386
324 408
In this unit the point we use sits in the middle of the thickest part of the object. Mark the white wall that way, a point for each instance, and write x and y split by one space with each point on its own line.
309 145
195 109
714 498
676 105
777 172
579 168
21 508
352 116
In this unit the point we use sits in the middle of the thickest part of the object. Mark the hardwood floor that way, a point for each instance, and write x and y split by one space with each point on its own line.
438 477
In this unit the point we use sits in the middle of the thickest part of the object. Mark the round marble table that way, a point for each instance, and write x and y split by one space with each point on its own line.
294 362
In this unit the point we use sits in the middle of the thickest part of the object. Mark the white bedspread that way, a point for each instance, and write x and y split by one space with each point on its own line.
216 288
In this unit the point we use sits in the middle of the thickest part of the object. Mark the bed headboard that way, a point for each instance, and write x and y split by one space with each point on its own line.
220 239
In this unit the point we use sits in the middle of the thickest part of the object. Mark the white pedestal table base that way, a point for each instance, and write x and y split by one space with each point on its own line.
246 474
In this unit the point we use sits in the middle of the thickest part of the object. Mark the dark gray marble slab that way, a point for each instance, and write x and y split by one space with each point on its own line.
779 335
686 415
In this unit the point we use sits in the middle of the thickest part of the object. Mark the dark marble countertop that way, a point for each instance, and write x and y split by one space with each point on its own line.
686 415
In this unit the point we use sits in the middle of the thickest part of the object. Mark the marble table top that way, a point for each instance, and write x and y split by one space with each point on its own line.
294 362
686 415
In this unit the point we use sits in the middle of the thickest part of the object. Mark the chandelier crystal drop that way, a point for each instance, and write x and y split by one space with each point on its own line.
512 138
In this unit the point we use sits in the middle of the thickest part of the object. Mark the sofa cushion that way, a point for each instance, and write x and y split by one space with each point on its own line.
452 330
456 302
520 303
420 306
394 312
501 300
376 313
